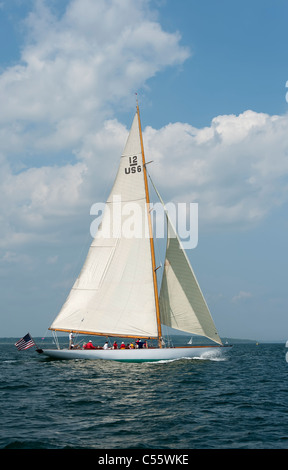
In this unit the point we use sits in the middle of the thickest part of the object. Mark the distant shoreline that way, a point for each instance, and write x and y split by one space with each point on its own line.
224 339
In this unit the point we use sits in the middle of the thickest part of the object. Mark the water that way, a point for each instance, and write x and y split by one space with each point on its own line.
236 400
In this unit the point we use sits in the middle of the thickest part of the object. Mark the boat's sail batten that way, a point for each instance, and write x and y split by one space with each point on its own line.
114 293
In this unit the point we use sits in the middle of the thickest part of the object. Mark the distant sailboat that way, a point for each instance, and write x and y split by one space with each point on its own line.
116 292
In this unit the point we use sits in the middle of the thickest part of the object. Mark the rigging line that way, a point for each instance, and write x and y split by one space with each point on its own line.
156 191
159 255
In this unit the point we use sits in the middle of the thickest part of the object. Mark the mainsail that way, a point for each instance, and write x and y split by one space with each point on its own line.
114 293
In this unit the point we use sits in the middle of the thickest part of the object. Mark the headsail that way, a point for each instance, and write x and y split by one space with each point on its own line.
182 304
114 293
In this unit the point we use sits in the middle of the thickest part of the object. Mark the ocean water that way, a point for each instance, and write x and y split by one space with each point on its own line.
234 400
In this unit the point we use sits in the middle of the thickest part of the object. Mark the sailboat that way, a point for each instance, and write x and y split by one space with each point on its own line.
116 293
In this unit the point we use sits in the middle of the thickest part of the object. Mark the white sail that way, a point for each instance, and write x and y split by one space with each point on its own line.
182 304
114 293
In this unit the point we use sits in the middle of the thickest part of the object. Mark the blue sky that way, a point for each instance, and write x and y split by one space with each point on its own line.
211 79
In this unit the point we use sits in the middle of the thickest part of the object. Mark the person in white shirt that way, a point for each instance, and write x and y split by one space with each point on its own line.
71 336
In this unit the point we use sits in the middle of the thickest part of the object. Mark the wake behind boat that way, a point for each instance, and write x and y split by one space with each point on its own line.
116 293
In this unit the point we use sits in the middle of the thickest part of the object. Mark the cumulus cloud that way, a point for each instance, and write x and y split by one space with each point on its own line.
72 67
54 103
236 169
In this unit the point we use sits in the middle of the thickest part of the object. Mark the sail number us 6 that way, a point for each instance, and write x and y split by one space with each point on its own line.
165 459
134 166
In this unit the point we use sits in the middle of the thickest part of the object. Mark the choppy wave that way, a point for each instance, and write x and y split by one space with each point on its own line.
180 404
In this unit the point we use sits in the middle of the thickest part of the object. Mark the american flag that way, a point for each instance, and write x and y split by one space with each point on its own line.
25 342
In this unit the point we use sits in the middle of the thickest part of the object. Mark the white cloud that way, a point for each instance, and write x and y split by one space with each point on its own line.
73 66
237 174
236 169
55 100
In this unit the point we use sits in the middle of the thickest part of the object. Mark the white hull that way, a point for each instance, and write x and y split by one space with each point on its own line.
131 355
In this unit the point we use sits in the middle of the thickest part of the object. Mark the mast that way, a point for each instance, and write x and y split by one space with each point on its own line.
150 235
